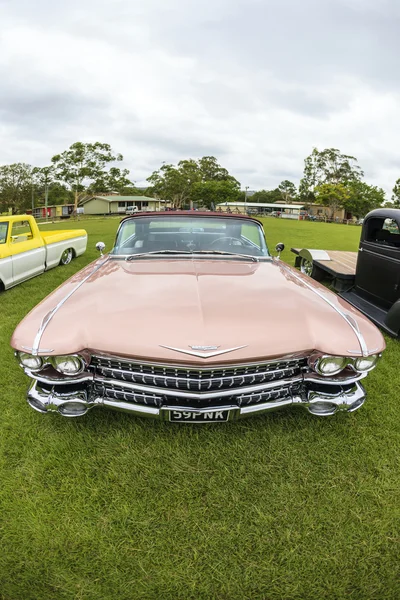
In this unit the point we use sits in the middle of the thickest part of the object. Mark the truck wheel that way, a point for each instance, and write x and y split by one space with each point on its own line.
308 268
66 256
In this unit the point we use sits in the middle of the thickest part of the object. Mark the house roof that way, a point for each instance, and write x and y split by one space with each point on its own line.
121 199
261 204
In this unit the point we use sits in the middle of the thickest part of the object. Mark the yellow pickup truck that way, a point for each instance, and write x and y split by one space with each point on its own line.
26 252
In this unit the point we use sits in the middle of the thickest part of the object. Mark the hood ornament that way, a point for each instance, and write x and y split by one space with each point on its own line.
203 351
204 348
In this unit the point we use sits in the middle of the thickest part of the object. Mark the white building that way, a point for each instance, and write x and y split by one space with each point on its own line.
286 211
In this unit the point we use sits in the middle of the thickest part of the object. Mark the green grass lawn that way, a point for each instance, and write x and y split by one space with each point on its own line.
284 506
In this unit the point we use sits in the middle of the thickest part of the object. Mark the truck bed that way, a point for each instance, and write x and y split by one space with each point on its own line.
52 237
341 263
341 266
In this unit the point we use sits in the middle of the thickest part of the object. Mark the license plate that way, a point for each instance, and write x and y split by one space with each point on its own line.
186 416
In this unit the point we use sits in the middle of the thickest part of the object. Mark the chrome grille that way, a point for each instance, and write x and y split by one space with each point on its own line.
197 380
114 391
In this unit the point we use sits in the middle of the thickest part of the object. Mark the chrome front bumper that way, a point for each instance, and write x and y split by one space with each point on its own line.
322 400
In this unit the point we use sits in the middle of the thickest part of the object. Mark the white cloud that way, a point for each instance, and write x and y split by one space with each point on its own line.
256 84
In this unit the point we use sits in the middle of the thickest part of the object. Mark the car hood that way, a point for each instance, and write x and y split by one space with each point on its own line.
164 309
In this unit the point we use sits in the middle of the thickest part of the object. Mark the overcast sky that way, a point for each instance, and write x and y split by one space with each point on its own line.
256 83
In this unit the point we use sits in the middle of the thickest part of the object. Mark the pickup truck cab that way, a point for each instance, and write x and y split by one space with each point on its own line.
370 278
25 251
376 288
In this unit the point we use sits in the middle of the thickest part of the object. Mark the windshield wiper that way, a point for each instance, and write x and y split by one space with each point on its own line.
222 252
141 254
219 252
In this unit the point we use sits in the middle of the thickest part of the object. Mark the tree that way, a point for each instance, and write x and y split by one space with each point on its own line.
16 187
176 183
59 194
83 167
44 176
113 180
287 190
327 166
212 193
173 183
331 195
363 198
131 190
211 170
267 196
396 194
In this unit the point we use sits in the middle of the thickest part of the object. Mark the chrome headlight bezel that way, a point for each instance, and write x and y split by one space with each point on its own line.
59 362
316 362
29 361
340 361
370 367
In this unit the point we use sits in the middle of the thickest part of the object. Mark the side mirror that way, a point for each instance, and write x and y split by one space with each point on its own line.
279 248
100 247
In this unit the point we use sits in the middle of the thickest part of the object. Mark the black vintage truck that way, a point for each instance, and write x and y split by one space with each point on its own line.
370 278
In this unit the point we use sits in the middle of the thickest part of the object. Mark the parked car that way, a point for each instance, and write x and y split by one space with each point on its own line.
131 210
370 278
190 319
26 252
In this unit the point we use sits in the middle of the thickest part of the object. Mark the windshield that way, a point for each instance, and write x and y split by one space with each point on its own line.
188 234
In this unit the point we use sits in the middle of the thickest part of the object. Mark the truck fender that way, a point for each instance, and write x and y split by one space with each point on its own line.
392 319
307 258
311 255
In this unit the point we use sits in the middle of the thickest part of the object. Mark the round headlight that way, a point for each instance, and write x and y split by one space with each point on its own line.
68 365
330 365
366 363
30 362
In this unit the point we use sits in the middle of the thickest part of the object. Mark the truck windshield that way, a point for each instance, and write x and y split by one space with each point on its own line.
3 232
190 234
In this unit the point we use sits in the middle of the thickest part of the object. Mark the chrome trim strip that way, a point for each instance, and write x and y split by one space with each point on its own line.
312 378
42 350
62 380
127 407
373 351
47 318
348 318
254 408
194 256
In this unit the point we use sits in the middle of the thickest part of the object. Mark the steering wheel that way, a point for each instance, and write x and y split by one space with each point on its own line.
228 239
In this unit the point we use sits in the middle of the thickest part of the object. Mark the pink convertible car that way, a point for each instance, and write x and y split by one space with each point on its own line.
190 319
